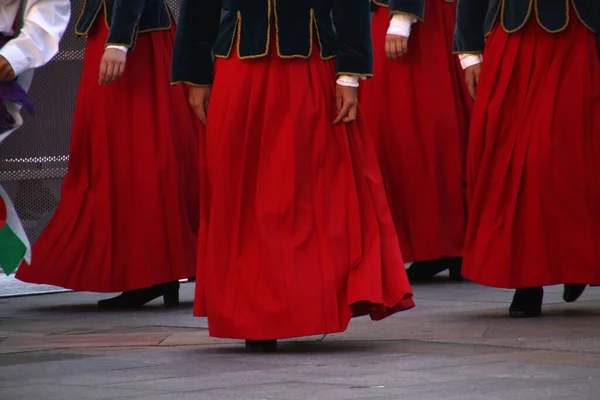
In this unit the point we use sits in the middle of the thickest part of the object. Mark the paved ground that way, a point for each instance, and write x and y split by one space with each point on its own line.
457 344
9 286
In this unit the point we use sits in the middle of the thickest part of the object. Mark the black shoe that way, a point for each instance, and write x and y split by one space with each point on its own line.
137 298
424 271
261 345
572 292
527 303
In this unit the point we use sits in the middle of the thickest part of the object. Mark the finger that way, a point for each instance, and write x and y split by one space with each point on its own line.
201 113
102 73
399 52
388 49
338 102
206 102
351 114
343 113
394 49
404 46
471 86
121 70
113 71
109 72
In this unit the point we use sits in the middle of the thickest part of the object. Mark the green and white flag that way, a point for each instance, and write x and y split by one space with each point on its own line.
14 245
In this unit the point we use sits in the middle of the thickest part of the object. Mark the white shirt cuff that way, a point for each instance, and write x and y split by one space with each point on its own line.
468 60
16 58
122 48
348 80
400 25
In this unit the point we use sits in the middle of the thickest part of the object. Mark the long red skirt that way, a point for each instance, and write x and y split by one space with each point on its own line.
128 214
296 236
534 160
417 110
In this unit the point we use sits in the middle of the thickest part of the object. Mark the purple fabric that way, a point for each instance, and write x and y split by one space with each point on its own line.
12 91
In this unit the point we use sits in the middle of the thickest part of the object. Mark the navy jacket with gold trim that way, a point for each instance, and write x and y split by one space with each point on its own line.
476 18
413 7
248 24
125 18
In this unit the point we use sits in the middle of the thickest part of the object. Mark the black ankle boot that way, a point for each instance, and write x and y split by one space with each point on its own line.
455 269
527 303
424 271
572 292
261 345
137 298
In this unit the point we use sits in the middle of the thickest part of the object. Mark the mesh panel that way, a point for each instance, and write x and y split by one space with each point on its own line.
34 159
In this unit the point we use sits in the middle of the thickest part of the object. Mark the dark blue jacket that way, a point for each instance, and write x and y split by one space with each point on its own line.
125 18
476 18
413 7
249 23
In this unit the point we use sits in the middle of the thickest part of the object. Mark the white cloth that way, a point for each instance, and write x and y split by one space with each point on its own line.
467 60
401 24
122 48
44 23
348 80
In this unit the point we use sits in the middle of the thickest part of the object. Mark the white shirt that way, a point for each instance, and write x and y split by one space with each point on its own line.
45 22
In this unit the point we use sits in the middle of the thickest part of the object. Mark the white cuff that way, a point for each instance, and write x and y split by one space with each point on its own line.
122 48
468 60
400 25
16 58
347 80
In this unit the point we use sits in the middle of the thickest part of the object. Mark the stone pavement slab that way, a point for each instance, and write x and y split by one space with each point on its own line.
457 344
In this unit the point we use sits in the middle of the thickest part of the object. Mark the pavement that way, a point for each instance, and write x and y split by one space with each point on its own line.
457 344
9 287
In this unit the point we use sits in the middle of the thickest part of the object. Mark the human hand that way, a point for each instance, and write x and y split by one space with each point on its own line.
7 73
396 46
112 66
199 98
346 99
472 78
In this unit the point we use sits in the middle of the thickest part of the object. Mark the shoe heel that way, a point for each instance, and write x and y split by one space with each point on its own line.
456 273
171 298
527 303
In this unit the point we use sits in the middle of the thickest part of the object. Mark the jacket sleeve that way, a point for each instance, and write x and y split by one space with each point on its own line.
44 23
352 19
126 16
469 37
197 32
412 7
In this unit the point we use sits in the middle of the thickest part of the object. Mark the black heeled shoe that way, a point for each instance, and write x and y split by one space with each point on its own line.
261 345
527 303
424 271
455 269
572 292
137 298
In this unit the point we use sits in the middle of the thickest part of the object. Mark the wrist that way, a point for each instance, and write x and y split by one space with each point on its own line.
348 81
468 60
401 24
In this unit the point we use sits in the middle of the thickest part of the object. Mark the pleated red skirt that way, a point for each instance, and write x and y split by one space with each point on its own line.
296 236
417 111
534 160
128 213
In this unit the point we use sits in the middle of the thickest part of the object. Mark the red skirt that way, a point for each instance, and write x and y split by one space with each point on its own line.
534 160
417 110
296 236
128 213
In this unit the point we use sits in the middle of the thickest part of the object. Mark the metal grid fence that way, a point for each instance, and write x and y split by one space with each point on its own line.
34 159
